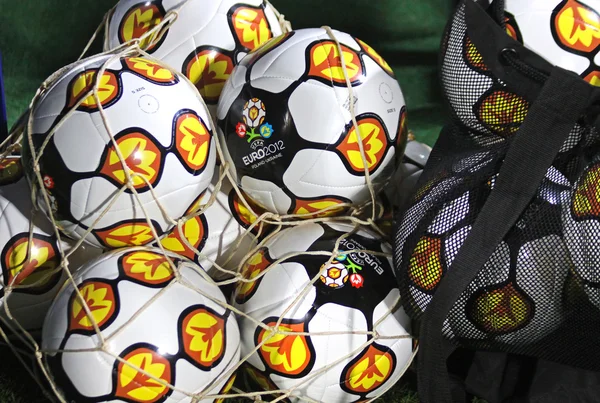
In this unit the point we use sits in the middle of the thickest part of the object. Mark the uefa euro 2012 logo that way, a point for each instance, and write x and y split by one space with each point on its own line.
254 126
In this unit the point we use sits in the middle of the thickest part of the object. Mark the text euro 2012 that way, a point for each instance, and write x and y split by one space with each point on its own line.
263 152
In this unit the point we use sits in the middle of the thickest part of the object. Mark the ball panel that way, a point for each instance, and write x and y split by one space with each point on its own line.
266 194
302 237
90 148
532 269
320 122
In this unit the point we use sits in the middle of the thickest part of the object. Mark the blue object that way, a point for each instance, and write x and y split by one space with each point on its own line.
3 118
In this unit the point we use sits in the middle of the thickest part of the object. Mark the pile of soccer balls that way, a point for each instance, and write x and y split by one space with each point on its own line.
204 200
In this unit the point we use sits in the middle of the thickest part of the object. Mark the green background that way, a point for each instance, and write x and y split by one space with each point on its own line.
39 37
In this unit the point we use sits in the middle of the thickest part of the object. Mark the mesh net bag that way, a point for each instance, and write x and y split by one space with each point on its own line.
136 316
497 249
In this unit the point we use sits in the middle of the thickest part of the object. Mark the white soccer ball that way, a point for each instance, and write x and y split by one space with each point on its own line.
31 269
161 129
305 156
221 234
565 33
206 41
336 317
175 329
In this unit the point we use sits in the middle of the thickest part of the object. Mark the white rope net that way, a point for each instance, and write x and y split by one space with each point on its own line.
265 227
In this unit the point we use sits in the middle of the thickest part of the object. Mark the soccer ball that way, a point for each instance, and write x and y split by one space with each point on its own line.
303 155
581 220
355 294
220 234
565 33
207 40
175 329
31 268
517 296
161 129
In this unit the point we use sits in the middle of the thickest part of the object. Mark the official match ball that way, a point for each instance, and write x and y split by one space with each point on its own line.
206 41
222 234
565 33
331 358
161 129
30 268
174 328
304 154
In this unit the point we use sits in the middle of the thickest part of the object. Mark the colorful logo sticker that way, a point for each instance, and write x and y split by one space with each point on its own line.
250 26
109 90
256 130
147 268
127 233
254 126
253 267
140 19
31 268
368 371
502 112
208 68
374 141
192 140
101 300
325 64
203 336
151 71
426 269
11 171
195 230
500 309
142 157
576 28
133 385
342 269
376 57
288 355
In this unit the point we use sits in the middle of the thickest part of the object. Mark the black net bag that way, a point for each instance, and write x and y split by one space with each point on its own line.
499 249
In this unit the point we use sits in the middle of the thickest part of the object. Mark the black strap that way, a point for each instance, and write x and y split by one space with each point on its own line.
492 42
561 102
